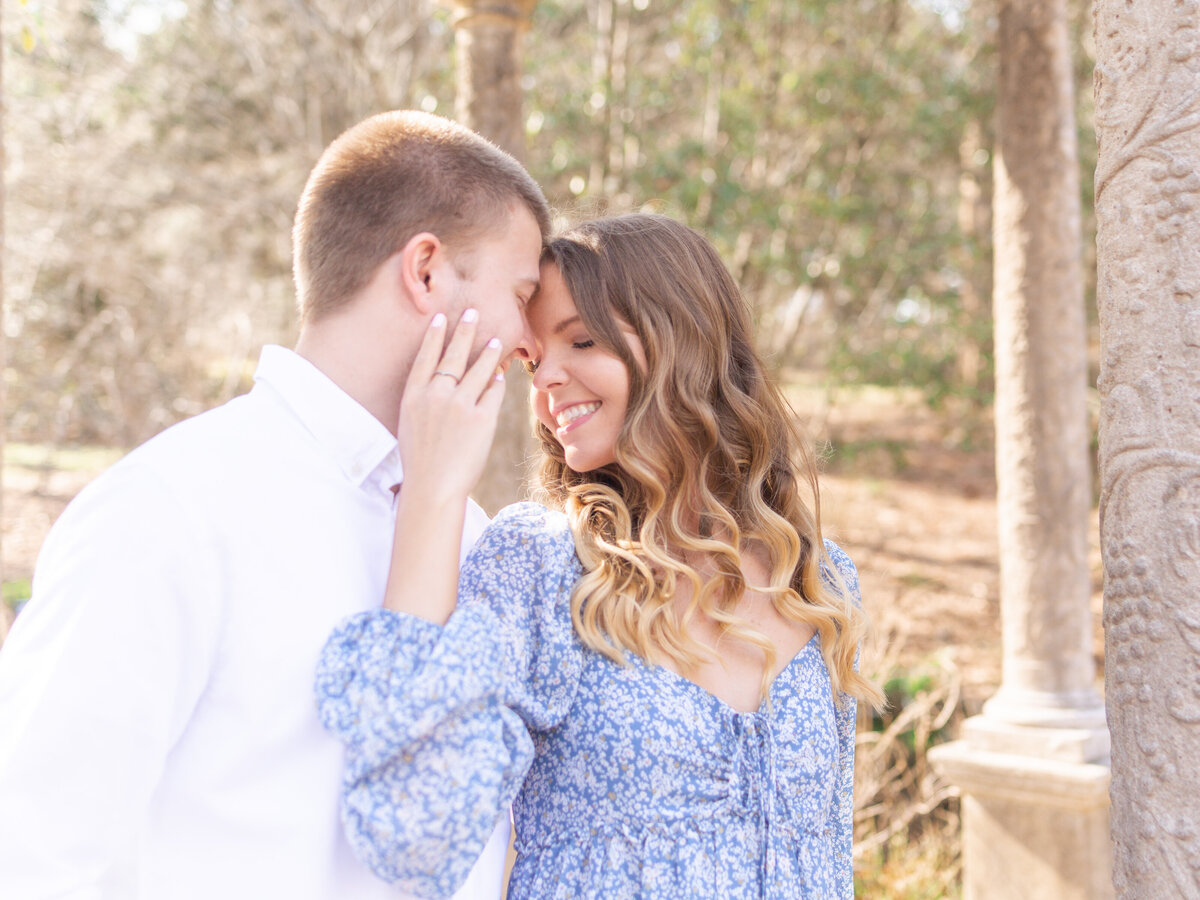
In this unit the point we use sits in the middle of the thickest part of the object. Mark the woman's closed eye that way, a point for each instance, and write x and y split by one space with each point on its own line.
531 365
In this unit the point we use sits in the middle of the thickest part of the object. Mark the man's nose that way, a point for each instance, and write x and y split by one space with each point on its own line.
524 347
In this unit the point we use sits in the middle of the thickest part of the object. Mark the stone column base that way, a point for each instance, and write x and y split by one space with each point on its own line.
1033 828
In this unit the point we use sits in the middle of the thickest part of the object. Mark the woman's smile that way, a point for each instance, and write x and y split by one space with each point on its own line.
580 388
572 415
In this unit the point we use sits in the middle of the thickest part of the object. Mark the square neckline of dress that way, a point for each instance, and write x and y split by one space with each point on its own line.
725 706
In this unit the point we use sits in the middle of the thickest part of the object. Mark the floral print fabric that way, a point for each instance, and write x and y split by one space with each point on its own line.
627 781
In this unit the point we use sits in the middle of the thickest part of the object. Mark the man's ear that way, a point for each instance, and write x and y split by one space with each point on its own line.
420 266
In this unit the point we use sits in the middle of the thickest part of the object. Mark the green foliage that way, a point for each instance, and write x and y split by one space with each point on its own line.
60 459
837 153
929 356
851 454
152 189
820 145
903 688
15 592
906 819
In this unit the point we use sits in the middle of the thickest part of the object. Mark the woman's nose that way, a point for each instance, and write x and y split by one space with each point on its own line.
548 374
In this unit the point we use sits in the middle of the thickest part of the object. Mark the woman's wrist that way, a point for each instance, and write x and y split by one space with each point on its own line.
427 495
423 579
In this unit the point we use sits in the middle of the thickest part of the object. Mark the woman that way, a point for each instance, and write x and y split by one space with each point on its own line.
659 668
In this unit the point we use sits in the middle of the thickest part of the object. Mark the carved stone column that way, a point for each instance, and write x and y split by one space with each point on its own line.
1032 767
487 41
1147 86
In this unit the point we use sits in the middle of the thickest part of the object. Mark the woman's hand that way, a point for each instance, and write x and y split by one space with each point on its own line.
447 421
449 410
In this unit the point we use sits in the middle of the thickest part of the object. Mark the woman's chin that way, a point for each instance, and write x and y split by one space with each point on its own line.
582 463
577 468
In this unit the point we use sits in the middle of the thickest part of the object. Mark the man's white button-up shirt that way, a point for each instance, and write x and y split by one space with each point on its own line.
158 733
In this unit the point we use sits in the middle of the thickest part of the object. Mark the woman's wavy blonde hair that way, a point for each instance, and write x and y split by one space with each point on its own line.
708 460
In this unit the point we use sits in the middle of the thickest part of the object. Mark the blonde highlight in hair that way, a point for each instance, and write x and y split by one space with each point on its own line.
708 462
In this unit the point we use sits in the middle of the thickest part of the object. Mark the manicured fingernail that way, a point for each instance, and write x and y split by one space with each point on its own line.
438 321
494 344
499 374
470 315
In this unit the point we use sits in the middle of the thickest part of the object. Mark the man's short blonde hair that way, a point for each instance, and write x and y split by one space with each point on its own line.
387 179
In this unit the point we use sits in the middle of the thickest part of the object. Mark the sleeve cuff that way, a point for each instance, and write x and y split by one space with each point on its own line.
383 670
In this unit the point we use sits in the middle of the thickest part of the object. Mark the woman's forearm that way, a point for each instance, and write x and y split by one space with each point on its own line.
446 425
423 580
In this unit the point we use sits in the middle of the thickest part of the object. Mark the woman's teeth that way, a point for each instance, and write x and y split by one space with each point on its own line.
567 416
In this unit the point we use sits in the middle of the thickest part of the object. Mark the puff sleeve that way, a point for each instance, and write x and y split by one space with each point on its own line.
435 719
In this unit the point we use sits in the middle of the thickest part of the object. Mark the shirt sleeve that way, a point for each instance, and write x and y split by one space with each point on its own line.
97 681
474 522
434 718
846 709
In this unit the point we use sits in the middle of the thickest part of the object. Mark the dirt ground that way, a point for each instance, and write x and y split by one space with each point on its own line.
910 494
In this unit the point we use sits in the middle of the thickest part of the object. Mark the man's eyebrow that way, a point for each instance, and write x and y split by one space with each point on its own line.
565 324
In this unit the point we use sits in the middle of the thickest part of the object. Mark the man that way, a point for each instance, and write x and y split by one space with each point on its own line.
158 734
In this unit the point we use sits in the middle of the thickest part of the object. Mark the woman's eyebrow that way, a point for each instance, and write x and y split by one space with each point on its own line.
565 324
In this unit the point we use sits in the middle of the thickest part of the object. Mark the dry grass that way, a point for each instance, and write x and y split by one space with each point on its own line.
909 494
906 818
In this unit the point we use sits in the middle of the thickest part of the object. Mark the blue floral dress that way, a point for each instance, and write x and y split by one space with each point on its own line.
626 781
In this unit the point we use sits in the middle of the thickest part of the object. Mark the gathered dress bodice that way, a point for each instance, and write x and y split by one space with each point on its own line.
626 780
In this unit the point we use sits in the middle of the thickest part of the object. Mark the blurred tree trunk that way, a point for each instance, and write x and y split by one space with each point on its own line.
602 65
609 99
974 217
487 38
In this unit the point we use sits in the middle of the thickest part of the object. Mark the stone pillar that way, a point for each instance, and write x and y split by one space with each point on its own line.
1042 468
1033 767
487 42
1147 85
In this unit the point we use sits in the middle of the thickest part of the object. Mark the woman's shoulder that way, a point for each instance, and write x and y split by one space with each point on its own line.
531 520
529 515
529 530
524 566
844 567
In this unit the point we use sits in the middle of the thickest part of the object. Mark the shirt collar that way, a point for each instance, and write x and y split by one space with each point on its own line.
358 442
